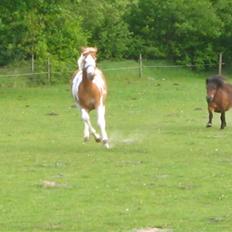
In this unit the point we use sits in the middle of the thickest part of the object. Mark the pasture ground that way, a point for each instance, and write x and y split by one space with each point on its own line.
165 169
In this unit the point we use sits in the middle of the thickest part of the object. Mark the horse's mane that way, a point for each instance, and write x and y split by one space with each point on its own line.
84 51
216 80
80 62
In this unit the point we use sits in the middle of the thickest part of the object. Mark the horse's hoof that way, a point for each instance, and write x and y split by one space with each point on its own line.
106 144
98 139
86 139
223 126
209 125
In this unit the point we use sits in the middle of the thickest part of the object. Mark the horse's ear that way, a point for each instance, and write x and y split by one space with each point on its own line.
95 49
95 52
84 50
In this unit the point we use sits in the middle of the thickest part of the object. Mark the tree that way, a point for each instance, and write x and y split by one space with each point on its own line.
103 21
183 30
40 27
223 9
12 30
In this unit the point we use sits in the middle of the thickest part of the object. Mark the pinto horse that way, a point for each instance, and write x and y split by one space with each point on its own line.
89 91
219 98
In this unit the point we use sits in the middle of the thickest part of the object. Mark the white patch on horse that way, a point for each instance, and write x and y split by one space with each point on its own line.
99 82
75 85
90 65
80 62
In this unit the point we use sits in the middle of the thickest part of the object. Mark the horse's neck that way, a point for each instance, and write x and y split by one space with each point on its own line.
85 79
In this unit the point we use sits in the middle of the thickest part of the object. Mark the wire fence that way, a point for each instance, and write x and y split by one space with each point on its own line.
46 76
23 74
108 69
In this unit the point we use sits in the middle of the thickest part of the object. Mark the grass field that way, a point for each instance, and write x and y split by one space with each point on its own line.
165 168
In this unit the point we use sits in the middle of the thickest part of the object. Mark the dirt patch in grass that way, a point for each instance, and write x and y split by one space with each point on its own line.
152 230
47 184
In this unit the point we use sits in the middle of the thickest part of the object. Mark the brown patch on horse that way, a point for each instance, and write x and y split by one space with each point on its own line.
89 95
222 98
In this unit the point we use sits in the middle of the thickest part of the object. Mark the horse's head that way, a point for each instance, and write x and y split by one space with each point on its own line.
87 61
212 86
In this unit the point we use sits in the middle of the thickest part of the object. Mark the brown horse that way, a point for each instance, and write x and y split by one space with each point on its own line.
89 91
219 98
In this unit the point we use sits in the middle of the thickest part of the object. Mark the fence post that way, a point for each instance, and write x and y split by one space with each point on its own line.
49 71
220 64
140 65
32 63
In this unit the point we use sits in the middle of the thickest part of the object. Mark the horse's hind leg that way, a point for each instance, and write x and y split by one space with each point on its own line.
88 128
209 124
223 120
102 124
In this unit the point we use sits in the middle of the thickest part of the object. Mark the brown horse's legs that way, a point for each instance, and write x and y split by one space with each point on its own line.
223 120
209 124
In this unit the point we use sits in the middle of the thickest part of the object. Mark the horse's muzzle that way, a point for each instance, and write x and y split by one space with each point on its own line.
90 73
90 76
209 99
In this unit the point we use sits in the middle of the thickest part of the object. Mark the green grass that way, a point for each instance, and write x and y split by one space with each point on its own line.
165 169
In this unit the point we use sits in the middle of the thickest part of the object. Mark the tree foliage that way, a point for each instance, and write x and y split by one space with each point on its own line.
185 31
41 28
108 30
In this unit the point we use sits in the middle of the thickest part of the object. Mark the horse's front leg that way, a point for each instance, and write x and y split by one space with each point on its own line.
102 124
88 128
223 120
86 131
209 124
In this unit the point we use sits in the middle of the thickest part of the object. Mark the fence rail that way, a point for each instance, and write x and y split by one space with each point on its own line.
105 69
140 67
177 66
22 74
